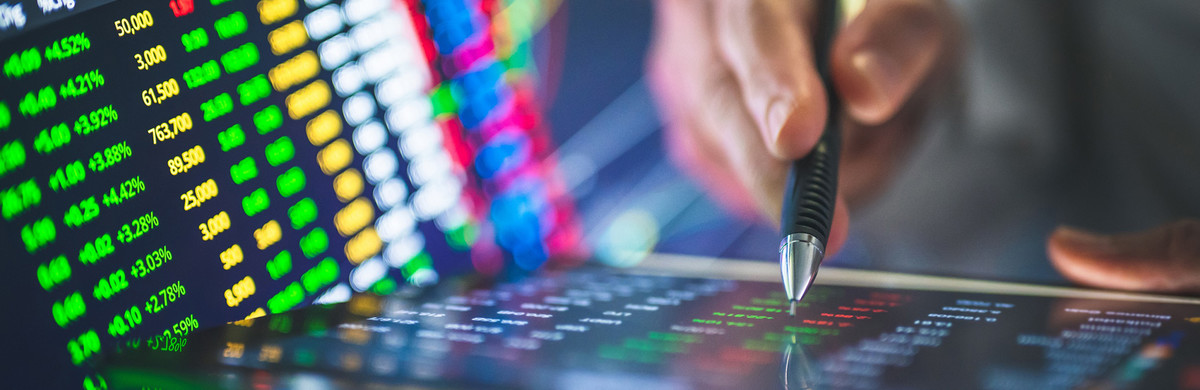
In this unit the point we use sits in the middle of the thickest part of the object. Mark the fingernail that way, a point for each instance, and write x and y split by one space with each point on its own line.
778 113
1085 241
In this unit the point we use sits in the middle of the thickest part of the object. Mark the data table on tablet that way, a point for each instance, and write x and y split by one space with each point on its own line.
604 329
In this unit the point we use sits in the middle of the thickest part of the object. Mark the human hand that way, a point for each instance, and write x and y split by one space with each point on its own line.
742 99
1164 259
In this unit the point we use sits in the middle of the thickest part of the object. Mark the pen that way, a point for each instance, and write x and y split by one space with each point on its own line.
811 191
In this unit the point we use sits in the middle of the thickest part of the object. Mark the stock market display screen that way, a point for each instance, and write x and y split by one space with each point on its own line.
600 330
169 165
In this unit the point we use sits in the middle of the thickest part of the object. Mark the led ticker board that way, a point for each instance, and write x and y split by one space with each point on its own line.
176 164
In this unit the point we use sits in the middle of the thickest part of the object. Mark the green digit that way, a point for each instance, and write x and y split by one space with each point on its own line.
5 116
195 40
75 306
28 105
280 265
202 74
254 90
231 25
269 119
244 170
11 203
20 64
12 156
314 243
242 57
280 151
290 182
302 213
37 234
54 273
291 296
32 60
47 99
231 138
12 67
324 273
256 202
216 107
31 195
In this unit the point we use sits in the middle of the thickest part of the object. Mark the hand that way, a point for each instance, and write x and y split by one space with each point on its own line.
741 97
1164 259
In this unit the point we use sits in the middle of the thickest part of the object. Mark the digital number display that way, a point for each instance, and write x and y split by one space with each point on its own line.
160 92
150 57
134 23
172 164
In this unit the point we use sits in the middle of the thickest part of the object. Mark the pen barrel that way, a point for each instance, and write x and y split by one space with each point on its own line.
811 192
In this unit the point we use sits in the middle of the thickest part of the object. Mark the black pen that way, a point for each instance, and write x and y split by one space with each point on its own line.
811 191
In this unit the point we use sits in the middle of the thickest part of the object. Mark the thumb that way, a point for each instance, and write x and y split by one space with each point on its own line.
1163 259
886 52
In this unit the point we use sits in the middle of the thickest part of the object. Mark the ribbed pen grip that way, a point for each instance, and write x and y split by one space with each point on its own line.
812 188
812 185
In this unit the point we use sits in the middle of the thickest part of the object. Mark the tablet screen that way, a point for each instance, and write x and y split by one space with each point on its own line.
597 329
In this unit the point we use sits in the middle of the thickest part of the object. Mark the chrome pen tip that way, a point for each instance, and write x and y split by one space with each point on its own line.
800 256
792 309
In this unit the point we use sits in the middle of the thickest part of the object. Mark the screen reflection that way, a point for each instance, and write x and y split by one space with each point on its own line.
596 329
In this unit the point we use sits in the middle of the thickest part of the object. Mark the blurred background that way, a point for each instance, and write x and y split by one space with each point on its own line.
1064 113
632 200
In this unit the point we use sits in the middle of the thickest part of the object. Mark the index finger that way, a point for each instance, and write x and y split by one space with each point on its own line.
767 46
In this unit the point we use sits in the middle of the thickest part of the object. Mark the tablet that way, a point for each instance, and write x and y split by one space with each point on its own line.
683 323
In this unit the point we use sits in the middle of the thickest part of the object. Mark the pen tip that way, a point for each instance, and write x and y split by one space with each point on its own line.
792 309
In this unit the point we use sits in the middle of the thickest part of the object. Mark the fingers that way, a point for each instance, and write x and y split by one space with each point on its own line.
1164 259
684 71
709 127
726 131
710 133
885 53
879 60
765 44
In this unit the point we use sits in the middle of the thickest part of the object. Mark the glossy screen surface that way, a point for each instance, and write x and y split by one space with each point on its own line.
595 329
